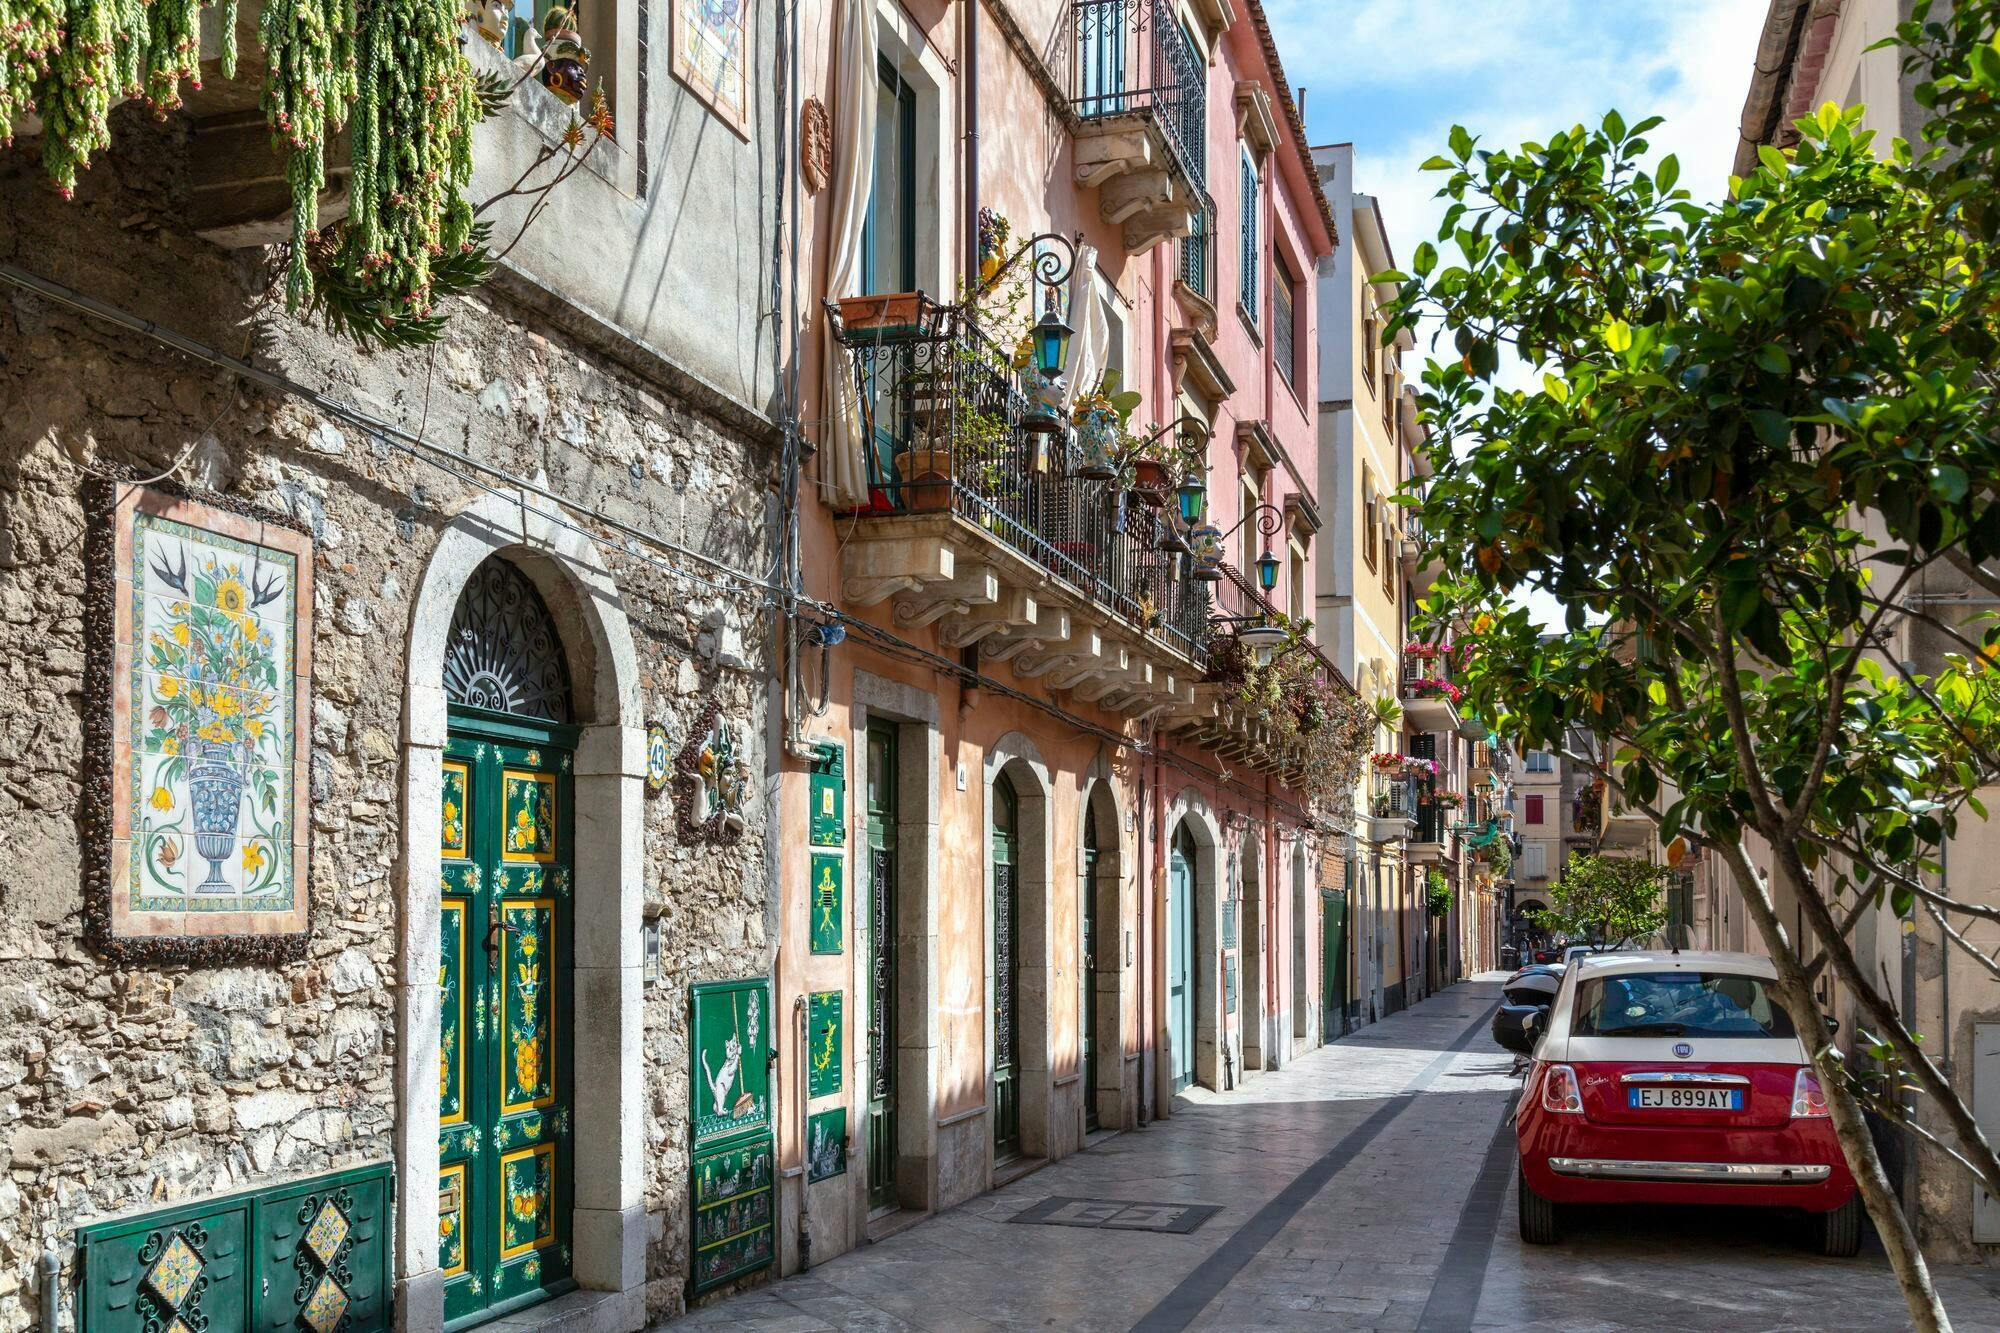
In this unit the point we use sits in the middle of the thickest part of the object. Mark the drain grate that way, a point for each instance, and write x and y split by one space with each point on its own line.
1118 1215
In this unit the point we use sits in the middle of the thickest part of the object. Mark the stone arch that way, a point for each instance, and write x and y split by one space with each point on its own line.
583 598
1107 972
1191 808
1043 1132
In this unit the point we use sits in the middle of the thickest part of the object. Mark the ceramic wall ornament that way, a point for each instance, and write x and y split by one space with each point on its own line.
713 777
711 55
815 145
198 623
566 68
492 18
826 1145
659 759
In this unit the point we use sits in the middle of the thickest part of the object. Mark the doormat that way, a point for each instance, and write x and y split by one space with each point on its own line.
1118 1215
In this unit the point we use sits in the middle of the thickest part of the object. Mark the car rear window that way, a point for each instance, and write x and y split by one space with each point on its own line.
1678 1004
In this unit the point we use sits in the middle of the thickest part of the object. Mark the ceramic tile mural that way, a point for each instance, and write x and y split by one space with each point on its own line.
208 657
711 47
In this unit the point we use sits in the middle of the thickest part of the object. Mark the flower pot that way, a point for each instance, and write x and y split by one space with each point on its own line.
888 312
1149 477
1096 437
566 77
215 784
1044 413
926 478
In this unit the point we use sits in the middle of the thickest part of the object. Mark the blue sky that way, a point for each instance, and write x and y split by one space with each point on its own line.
1393 77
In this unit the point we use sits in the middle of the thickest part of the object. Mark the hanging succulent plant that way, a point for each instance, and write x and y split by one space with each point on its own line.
307 91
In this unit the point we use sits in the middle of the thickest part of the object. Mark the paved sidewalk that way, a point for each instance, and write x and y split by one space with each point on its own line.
1367 1185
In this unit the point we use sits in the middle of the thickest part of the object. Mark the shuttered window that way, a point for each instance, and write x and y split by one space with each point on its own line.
1283 348
1247 207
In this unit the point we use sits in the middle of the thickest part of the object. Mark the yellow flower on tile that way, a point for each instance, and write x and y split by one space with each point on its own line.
229 596
169 687
162 799
255 726
226 704
181 634
171 745
253 857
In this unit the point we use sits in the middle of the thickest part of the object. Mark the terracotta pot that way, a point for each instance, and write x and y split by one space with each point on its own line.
1149 474
926 478
889 310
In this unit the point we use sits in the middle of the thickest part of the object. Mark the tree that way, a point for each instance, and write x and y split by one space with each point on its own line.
1730 439
1611 900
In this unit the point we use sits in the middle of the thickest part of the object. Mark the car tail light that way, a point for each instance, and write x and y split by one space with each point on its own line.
1808 1098
1560 1092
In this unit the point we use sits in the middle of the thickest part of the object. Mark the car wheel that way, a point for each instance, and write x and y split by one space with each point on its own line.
1838 1233
1538 1215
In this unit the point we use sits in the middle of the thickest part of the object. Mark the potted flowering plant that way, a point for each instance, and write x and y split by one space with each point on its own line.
1157 460
1436 687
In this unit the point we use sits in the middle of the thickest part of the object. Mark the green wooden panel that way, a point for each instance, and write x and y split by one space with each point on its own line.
827 1042
1229 983
733 1211
1229 923
309 1255
829 902
827 793
826 1144
732 1058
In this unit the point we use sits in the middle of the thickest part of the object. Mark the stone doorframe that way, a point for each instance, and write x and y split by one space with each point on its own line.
1116 901
1251 945
1205 967
1305 1024
919 757
609 1231
1017 756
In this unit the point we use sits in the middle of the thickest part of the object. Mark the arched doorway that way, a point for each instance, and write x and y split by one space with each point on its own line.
507 948
1180 959
1006 970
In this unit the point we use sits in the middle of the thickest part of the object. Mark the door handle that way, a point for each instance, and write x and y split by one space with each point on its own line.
495 927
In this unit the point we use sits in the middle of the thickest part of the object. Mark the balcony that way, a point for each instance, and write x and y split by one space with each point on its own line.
1392 809
1262 736
1427 839
976 528
1140 94
1428 692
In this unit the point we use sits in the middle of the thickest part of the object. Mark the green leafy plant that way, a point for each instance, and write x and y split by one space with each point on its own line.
1712 399
1437 892
1606 900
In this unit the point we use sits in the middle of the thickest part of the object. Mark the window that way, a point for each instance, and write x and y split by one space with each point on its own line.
1535 861
1535 812
1195 257
1541 761
1283 345
1251 251
1678 1004
1389 401
1369 519
1253 495
1297 587
1371 340
889 233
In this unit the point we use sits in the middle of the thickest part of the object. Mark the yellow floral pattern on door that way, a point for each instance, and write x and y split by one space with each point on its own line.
529 1059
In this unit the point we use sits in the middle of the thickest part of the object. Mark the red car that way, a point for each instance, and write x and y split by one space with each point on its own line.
1676 1078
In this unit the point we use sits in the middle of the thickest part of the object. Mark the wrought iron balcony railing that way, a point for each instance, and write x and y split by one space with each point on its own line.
942 408
1133 58
1394 798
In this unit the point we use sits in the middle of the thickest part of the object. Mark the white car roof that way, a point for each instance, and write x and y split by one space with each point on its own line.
1691 960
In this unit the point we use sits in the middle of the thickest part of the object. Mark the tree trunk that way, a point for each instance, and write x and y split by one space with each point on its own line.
1927 1312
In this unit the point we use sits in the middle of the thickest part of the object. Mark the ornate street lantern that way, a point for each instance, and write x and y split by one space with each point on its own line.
1267 570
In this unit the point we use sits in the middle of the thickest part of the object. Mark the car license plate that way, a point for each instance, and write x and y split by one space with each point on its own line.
1686 1099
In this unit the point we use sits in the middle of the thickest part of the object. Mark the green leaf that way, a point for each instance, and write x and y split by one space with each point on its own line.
1669 172
1773 428
1390 275
1461 142
1614 125
1773 159
1556 385
1775 359
1948 482
1617 335
1741 600
1437 163
1425 259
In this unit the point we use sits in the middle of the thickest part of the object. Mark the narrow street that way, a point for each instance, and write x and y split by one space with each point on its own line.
1368 1185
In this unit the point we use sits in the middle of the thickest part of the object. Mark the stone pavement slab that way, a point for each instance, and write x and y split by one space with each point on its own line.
1351 1194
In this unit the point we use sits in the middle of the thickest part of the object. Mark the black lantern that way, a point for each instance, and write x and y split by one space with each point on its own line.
1267 570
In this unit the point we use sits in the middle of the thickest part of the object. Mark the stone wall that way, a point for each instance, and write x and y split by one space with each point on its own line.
122 1088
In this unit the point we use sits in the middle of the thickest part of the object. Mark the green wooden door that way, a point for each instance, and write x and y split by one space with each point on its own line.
881 1127
1006 972
1089 918
504 1057
1180 960
1333 963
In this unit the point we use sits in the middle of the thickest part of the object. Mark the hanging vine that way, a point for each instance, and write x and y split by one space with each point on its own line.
310 83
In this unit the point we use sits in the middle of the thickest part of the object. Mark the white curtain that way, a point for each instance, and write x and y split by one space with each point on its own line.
844 466
1090 344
